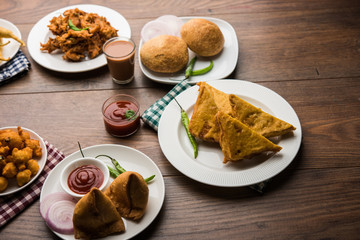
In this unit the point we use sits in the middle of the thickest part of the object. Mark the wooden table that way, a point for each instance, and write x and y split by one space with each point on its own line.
306 51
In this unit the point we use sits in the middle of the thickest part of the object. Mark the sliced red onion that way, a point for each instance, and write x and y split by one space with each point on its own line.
174 22
59 216
153 29
52 198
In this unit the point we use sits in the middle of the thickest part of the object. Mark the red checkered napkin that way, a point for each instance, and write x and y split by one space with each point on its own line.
13 204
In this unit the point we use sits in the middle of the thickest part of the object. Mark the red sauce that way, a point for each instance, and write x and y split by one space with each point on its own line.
120 58
85 177
116 122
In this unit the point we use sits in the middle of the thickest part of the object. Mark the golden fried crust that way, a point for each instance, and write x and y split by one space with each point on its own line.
202 37
95 216
129 193
164 54
259 121
237 141
202 123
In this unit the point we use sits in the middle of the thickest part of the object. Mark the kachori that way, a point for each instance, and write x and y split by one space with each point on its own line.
164 54
203 37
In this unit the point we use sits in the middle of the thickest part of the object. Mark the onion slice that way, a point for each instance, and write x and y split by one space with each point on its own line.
174 22
59 216
52 198
153 29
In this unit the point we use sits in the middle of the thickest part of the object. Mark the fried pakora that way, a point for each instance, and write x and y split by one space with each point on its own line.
3 183
238 141
22 156
18 154
33 166
23 177
11 139
10 170
78 34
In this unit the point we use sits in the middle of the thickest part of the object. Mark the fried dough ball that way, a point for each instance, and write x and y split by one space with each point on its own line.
23 177
3 184
2 164
11 139
4 151
21 167
203 37
33 166
22 156
35 146
24 135
9 170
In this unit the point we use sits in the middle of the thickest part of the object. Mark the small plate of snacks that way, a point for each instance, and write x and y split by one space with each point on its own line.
10 41
245 133
22 158
115 215
79 47
178 40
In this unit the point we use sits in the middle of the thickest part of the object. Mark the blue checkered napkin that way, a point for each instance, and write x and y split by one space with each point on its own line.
152 115
18 65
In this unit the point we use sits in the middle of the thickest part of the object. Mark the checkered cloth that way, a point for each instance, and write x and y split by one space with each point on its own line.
13 204
15 68
152 116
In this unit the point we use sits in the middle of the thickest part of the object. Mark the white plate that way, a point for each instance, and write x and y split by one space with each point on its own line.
13 187
208 167
40 33
130 159
224 63
11 49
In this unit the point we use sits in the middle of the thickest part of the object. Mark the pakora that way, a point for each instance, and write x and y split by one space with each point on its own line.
78 34
18 157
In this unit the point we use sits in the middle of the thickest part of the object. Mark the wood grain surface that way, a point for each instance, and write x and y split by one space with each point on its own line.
306 51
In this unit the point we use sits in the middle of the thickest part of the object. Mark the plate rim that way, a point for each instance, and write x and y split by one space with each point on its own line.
145 71
32 38
74 156
171 156
43 158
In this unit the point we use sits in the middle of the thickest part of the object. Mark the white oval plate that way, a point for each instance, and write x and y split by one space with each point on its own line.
224 63
11 49
208 167
13 187
130 159
40 33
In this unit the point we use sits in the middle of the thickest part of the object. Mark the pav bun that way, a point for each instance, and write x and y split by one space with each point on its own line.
203 37
165 54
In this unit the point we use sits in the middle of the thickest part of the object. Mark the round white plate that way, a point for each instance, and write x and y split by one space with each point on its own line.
224 63
208 167
11 49
130 159
13 187
40 33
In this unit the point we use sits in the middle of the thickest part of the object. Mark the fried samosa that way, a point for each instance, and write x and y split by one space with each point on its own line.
258 120
237 141
129 193
95 216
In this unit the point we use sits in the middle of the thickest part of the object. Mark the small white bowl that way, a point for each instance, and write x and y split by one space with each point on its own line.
80 162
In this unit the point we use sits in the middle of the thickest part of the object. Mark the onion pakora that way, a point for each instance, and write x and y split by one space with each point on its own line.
78 34
18 154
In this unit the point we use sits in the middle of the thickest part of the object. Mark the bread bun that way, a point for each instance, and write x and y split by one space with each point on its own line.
165 54
203 37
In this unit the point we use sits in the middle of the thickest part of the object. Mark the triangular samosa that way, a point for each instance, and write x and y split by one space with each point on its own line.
258 120
237 141
129 193
95 216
